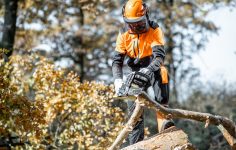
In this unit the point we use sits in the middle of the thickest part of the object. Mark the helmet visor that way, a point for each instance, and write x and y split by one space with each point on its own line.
138 25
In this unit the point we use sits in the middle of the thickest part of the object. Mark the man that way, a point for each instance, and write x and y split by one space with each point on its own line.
142 42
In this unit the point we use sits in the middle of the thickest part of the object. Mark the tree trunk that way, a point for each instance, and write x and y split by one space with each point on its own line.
172 138
9 27
170 45
81 54
81 63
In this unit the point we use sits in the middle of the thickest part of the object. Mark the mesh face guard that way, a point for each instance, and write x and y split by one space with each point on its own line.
137 26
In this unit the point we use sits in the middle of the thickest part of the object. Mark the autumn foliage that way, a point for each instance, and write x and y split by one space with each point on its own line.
50 107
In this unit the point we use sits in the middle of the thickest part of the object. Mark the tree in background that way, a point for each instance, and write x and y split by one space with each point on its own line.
186 31
70 28
50 108
9 26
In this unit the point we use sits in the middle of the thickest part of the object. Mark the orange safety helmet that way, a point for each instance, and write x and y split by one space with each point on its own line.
135 15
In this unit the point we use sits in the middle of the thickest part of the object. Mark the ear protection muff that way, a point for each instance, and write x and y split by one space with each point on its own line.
123 10
147 11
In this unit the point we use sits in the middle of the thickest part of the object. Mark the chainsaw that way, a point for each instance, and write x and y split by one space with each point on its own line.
135 83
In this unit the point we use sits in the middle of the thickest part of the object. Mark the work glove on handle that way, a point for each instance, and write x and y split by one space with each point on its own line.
147 72
118 84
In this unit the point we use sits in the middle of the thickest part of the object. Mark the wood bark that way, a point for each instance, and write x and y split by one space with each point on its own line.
171 139
225 125
128 127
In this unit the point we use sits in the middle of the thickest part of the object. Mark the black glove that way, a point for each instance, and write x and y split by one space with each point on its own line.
142 78
147 72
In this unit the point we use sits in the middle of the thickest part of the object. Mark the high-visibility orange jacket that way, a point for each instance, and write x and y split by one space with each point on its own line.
143 50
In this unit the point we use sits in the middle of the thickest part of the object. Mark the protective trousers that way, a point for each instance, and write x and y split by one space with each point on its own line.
160 85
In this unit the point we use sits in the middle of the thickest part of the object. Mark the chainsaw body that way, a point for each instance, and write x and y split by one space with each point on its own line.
135 83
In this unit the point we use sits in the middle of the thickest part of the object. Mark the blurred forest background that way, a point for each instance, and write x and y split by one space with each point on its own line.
55 73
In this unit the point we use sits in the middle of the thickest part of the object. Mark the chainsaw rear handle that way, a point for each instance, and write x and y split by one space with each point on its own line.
135 83
140 79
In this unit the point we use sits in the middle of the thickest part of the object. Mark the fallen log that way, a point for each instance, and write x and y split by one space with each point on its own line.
225 125
171 139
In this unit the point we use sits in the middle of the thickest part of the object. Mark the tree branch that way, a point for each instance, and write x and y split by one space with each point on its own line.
128 127
225 125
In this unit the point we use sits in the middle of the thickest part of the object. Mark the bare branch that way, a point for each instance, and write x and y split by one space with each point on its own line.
225 125
128 127
228 137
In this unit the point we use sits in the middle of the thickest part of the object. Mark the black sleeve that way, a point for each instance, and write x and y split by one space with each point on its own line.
117 64
158 57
